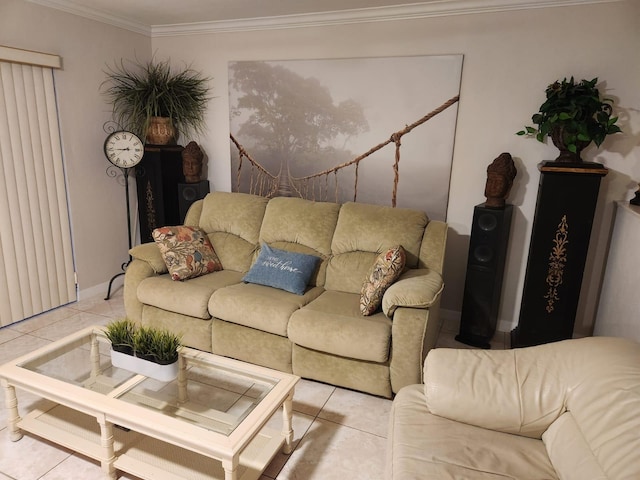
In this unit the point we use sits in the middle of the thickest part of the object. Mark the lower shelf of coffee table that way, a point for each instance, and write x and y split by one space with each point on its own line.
144 456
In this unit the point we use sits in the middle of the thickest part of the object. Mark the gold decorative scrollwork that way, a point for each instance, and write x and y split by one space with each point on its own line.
557 262
151 211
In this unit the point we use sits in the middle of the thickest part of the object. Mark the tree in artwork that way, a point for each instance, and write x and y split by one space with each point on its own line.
291 122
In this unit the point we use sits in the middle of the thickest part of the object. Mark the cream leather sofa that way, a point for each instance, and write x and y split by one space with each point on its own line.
568 410
319 335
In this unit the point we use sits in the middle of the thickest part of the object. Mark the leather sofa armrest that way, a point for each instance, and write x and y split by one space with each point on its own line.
150 253
519 391
416 288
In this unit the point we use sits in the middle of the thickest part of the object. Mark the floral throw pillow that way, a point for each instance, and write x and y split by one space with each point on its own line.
186 251
385 270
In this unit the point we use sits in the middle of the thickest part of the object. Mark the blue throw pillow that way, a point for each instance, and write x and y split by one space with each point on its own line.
288 271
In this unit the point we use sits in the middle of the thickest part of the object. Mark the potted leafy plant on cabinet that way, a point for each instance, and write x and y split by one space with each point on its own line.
573 115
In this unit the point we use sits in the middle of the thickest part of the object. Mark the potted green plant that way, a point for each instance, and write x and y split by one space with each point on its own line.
154 345
143 93
152 352
573 115
120 334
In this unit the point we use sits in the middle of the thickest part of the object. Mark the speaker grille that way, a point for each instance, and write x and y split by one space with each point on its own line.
189 194
483 253
487 222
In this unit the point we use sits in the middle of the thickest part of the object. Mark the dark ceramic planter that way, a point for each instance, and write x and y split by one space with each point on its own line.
567 156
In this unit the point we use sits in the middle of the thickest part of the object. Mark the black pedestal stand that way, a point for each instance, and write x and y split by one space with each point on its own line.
125 173
567 197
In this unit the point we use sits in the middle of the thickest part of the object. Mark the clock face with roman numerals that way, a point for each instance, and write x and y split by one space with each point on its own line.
123 149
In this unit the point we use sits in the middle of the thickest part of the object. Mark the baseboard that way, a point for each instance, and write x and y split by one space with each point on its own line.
451 322
100 289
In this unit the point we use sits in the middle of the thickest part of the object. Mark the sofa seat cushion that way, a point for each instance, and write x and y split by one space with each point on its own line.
189 297
333 324
423 445
258 306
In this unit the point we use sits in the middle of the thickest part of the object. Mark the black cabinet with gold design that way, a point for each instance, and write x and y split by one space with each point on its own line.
157 179
567 198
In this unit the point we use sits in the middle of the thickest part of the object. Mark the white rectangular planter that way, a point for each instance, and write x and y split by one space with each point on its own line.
163 373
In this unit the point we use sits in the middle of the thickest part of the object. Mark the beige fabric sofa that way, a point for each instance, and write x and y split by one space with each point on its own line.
320 335
568 410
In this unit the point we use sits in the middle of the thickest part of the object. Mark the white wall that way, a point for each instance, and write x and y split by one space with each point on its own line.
509 59
97 202
619 305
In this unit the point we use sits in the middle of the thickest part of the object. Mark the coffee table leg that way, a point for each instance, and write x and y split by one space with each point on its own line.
95 357
287 428
230 469
11 402
106 441
183 397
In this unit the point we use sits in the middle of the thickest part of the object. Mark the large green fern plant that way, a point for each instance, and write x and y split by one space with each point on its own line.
140 91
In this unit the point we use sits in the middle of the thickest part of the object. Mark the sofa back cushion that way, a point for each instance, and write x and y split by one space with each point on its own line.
233 221
301 226
363 232
510 391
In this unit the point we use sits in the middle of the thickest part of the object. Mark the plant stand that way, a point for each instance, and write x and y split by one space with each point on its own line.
157 179
567 197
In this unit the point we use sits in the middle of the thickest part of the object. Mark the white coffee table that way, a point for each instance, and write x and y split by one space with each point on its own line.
209 423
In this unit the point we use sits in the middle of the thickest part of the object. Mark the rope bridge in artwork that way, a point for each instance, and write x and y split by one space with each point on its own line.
318 185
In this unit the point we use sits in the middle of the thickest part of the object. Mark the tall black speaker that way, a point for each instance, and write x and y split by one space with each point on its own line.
485 269
188 193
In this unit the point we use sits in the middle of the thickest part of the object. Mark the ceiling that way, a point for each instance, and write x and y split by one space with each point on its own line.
171 17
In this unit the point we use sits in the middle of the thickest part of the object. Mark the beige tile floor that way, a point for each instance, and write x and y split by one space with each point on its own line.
339 433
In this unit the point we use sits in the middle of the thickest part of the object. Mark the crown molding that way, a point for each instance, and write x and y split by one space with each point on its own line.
430 8
434 8
80 10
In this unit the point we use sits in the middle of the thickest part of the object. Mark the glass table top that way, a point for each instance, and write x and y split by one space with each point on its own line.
214 396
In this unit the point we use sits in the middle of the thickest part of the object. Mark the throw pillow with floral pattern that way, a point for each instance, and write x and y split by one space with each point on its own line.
187 251
384 271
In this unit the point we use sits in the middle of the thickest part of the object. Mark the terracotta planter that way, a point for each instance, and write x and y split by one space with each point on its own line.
163 373
161 131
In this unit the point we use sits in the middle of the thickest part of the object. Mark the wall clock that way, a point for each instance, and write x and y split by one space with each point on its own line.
123 149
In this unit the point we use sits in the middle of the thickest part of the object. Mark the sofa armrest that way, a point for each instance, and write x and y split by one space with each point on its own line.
150 253
519 391
416 288
146 262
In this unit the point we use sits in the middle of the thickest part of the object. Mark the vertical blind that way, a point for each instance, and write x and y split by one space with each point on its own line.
36 262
